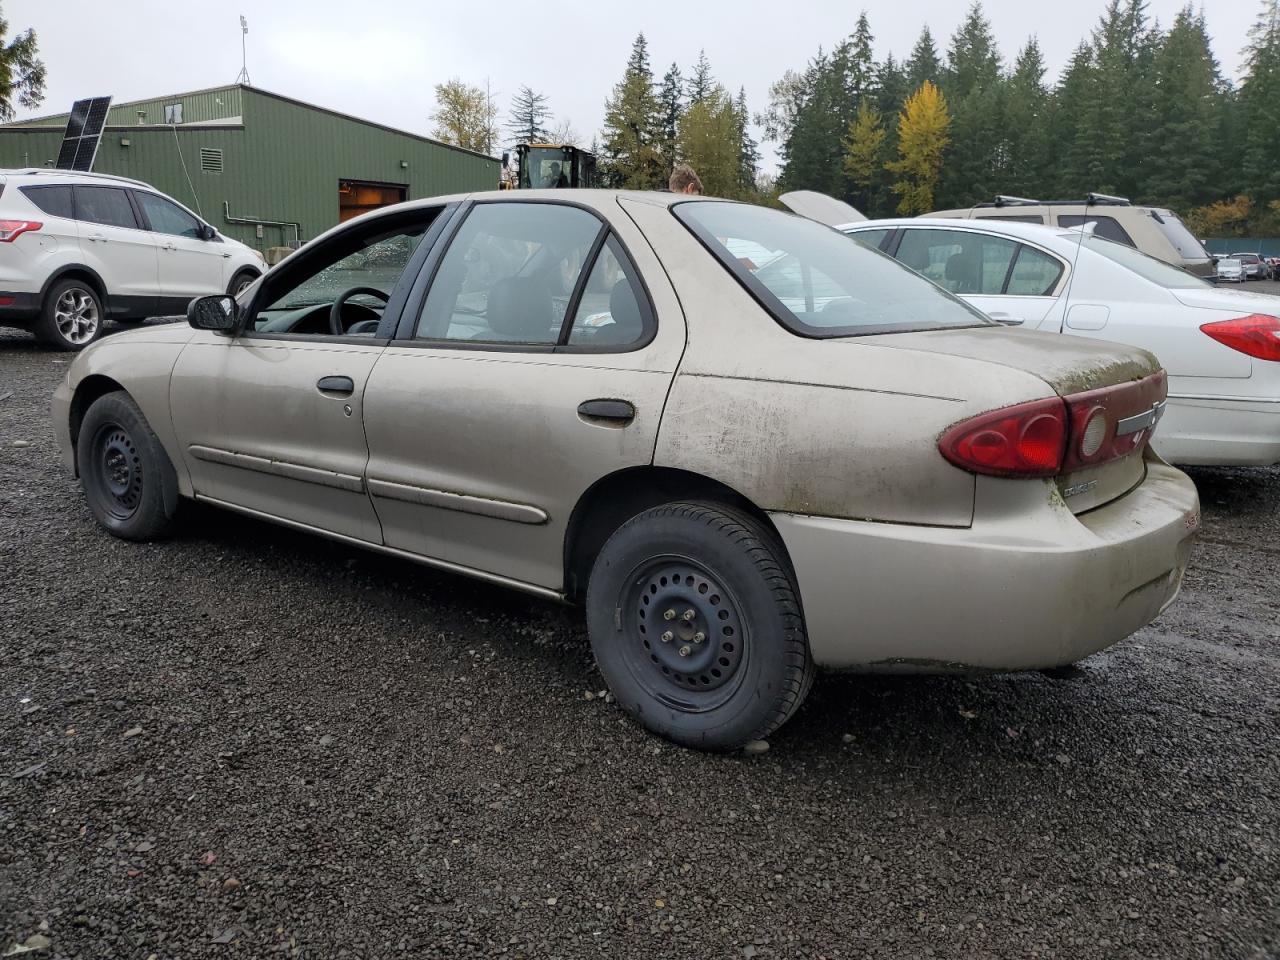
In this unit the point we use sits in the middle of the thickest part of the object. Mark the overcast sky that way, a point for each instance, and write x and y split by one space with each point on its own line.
381 59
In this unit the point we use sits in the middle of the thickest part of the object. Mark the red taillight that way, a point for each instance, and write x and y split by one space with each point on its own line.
1257 335
1023 441
1058 435
11 230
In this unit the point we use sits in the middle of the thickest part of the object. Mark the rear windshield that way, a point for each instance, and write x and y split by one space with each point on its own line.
1176 232
816 281
1157 271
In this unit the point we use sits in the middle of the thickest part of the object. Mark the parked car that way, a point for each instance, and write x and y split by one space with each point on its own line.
79 248
1156 231
597 399
1230 269
1220 347
1254 268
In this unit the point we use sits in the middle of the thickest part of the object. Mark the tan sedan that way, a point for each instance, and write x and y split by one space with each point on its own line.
749 445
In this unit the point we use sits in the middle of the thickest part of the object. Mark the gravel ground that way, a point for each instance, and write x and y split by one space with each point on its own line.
248 742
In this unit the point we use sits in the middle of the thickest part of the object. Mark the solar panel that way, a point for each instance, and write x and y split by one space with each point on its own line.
80 142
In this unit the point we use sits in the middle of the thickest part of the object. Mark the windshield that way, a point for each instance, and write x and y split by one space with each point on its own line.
1149 268
816 281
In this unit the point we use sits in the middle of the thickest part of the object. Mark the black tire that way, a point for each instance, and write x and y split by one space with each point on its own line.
128 479
729 574
71 317
240 281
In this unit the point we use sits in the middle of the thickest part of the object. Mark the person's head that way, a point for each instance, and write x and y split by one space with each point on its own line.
684 180
555 168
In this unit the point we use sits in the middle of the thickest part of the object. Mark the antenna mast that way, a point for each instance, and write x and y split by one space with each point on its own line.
243 75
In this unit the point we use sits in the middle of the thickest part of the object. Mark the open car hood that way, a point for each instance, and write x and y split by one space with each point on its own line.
820 207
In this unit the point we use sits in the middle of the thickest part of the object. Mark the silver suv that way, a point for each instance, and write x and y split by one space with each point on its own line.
1157 232
79 248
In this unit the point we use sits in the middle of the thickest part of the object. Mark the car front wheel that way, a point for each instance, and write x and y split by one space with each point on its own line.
72 316
128 479
696 625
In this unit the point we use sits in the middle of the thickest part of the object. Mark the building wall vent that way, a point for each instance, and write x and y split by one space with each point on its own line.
211 159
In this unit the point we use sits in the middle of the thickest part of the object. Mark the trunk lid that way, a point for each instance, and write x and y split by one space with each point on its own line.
1126 383
820 207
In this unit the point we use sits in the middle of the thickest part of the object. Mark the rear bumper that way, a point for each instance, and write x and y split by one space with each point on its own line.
1220 431
18 307
1030 588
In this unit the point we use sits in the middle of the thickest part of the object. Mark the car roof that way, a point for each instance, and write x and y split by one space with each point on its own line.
54 173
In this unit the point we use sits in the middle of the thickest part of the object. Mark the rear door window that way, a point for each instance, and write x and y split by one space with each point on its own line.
509 274
108 206
612 312
960 261
1035 274
54 200
1107 227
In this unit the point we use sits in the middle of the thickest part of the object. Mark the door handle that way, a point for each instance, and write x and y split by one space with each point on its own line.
97 237
613 412
336 386
1008 319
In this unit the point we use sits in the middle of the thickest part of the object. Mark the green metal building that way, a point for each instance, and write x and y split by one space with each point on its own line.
262 168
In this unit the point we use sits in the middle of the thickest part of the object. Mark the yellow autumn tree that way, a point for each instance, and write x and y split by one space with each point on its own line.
922 138
1226 218
862 145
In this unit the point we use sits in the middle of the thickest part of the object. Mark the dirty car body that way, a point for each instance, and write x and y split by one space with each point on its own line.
744 470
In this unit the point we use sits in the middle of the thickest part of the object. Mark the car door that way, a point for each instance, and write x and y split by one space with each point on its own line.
1009 281
272 420
534 366
190 266
115 245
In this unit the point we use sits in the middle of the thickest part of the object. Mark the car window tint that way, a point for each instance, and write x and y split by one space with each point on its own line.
813 280
1035 274
166 217
1107 227
508 274
53 200
611 312
872 238
957 260
108 206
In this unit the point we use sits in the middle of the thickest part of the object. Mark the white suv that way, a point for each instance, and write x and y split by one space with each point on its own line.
79 248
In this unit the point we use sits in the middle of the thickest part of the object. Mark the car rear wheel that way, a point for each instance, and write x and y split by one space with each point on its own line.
72 316
128 479
696 626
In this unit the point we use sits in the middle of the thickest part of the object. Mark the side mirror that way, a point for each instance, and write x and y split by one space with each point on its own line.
207 232
217 313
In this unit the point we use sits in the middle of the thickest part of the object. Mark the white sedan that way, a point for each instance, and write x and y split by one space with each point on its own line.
1220 347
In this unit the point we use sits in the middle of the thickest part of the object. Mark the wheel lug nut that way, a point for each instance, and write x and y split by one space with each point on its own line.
699 637
668 637
685 650
669 615
689 614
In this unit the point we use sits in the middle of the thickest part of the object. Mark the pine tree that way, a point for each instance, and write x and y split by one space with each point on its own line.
709 142
863 152
529 115
702 84
1026 147
973 85
1124 48
1076 126
1260 105
786 96
633 127
922 141
748 153
671 106
862 63
21 71
923 63
1187 112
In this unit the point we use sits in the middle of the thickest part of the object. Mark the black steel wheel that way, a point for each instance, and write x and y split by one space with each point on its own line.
128 479
696 626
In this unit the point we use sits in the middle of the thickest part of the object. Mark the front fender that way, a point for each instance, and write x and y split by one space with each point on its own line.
139 362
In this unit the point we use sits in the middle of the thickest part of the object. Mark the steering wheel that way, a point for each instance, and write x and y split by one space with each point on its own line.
335 312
